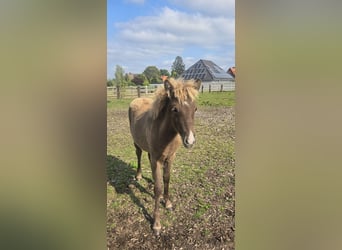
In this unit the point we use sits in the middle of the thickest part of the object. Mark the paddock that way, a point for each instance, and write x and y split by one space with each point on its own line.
202 183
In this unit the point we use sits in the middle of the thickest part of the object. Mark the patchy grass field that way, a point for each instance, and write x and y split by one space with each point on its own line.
201 188
218 99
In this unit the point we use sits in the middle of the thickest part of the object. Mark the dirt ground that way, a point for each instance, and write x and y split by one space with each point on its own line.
201 188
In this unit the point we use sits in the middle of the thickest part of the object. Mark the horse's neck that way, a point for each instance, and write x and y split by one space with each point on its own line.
164 127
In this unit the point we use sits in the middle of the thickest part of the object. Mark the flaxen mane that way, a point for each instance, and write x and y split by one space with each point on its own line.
182 90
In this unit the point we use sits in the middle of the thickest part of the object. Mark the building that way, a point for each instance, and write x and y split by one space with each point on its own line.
231 71
131 76
207 71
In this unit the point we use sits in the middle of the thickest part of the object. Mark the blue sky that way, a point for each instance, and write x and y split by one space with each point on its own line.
143 33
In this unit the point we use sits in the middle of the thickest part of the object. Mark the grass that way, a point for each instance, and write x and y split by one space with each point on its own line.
202 179
213 99
202 208
217 99
118 103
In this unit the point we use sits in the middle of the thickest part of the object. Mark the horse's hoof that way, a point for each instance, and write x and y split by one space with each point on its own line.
168 205
156 232
156 229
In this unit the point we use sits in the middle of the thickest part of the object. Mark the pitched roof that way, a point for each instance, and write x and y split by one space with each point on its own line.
232 71
206 71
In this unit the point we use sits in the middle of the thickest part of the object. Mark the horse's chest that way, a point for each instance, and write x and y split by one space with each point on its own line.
170 149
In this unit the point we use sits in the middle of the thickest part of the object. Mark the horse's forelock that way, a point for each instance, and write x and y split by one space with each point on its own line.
180 89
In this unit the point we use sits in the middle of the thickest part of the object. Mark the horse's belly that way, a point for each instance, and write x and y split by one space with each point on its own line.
139 116
141 141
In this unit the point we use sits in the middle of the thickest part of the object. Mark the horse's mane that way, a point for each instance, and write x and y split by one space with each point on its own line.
181 89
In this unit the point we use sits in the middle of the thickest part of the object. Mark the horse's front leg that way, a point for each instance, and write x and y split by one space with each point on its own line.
157 176
166 179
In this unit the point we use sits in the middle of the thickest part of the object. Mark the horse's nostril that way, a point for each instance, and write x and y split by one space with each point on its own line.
190 139
189 142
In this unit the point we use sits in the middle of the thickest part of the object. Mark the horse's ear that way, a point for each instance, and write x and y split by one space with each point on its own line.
168 87
164 78
197 84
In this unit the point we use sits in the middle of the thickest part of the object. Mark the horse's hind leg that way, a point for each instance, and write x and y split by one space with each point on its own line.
138 151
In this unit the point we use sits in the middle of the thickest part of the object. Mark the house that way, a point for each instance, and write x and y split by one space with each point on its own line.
131 76
231 71
207 71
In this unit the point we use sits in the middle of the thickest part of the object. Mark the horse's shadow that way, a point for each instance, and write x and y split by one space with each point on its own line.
121 176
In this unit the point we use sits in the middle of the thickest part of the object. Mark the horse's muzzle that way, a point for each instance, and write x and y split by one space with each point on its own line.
189 140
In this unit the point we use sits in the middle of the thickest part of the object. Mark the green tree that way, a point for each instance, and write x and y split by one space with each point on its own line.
152 74
120 80
110 83
127 80
178 67
139 79
164 72
120 76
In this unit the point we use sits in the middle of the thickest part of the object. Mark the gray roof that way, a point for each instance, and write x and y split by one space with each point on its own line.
206 71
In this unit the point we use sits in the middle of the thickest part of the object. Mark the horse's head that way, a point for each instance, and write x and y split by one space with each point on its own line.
182 108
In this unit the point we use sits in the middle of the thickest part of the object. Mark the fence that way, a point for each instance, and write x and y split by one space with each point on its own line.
217 86
130 91
147 91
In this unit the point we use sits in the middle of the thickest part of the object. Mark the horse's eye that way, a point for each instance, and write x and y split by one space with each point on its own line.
174 109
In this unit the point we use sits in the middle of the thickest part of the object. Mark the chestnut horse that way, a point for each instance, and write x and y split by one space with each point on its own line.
159 127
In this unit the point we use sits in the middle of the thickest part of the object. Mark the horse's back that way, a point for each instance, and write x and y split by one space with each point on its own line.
139 106
138 119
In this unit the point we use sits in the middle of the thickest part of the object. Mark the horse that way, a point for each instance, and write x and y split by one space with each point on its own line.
160 127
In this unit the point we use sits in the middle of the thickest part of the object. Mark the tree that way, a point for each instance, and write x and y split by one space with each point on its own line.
126 77
152 74
120 76
164 72
178 67
109 83
119 80
139 79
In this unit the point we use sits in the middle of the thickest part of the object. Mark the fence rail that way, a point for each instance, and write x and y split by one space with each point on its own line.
217 86
117 92
130 91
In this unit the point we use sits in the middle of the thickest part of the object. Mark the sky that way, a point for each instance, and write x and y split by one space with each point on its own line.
143 33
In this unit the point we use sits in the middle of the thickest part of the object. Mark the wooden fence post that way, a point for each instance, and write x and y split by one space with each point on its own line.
138 88
202 88
209 88
221 88
117 91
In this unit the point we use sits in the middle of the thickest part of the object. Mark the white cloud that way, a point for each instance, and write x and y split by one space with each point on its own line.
210 7
135 1
178 28
157 40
